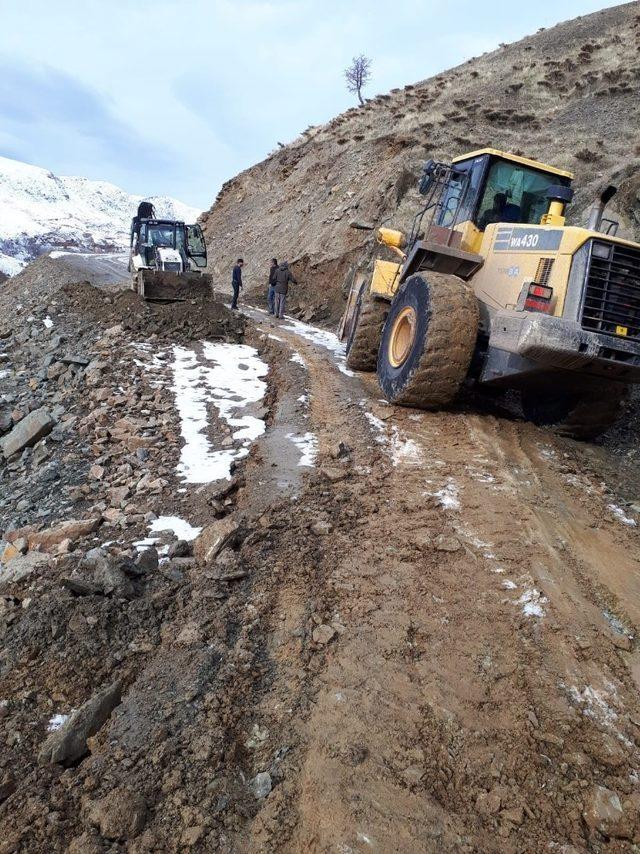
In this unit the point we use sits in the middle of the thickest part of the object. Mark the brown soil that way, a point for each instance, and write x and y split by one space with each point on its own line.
363 640
426 642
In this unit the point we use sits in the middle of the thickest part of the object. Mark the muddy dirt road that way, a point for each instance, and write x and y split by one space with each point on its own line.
479 602
399 631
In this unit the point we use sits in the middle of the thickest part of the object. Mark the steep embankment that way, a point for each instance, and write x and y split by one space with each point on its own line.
568 96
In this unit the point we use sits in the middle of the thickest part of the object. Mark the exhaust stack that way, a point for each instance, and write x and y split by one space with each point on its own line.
598 207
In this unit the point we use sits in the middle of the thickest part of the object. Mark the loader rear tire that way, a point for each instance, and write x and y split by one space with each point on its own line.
366 330
428 341
582 416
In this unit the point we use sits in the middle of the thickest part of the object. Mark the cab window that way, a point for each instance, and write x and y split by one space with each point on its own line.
197 247
514 193
460 194
161 236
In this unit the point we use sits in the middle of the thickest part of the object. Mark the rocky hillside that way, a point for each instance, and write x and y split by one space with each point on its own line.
40 212
567 95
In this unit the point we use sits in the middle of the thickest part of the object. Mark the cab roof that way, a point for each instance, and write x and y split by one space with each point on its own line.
505 155
170 222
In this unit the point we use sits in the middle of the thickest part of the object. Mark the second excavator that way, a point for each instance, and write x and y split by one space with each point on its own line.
167 258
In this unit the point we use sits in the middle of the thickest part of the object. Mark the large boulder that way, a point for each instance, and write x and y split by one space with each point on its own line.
100 574
27 432
69 743
21 566
214 538
603 811
70 530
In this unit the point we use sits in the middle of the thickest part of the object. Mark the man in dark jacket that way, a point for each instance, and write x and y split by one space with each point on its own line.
236 282
271 295
283 277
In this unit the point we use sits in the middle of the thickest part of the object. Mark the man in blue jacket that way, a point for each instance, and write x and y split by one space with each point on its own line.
236 281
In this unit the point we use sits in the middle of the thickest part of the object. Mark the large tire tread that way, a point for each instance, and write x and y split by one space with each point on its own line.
362 348
444 362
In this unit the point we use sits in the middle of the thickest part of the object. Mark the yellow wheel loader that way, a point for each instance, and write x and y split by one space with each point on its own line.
492 288
167 258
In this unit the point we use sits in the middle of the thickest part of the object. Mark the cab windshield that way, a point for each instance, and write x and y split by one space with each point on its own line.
514 193
161 235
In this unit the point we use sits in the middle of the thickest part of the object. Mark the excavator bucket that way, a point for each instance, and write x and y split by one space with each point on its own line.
165 286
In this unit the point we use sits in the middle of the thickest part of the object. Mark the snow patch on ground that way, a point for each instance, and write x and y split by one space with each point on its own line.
601 705
546 453
323 338
145 543
48 322
377 424
307 444
229 377
297 358
181 528
479 475
532 601
404 450
616 624
448 495
471 537
57 721
621 516
401 449
11 266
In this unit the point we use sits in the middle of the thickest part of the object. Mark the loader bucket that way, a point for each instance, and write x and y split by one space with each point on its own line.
162 286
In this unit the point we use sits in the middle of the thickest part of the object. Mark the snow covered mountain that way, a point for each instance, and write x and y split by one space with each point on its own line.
40 211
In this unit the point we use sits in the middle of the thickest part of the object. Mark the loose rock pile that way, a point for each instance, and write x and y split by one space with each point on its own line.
90 438
85 434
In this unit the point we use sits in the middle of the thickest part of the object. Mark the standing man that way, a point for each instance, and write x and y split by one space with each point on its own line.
236 281
283 277
271 295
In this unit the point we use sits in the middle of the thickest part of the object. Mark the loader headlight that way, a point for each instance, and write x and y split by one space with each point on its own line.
601 250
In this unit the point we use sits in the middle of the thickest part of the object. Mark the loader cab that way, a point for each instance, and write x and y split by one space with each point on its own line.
148 235
490 186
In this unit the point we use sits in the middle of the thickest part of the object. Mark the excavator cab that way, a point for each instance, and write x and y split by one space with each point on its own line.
167 258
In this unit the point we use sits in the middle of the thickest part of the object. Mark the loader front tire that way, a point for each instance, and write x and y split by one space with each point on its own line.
582 415
428 341
366 330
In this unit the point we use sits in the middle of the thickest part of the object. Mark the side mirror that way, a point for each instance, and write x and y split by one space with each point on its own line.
427 178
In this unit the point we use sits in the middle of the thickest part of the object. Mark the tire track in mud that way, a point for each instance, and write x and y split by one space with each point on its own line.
421 641
450 711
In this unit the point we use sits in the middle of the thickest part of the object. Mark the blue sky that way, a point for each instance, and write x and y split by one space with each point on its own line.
171 97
